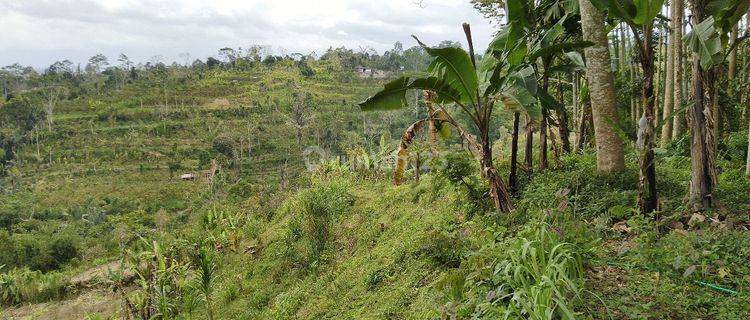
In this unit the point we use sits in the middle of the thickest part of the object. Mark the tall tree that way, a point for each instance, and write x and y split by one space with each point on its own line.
712 21
669 84
678 10
609 156
640 15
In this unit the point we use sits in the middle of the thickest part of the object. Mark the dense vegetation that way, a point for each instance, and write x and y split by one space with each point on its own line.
253 186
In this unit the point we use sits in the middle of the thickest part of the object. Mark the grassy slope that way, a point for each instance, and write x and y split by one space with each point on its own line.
102 173
374 270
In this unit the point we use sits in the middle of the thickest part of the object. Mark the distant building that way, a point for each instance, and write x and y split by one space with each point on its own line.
366 73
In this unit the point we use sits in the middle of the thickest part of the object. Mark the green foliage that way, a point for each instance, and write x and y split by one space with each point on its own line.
19 285
393 95
457 167
445 249
316 210
705 41
634 12
535 275
224 145
460 169
206 275
454 67
580 190
40 253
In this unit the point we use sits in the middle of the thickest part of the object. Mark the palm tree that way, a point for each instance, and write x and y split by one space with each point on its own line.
609 156
678 10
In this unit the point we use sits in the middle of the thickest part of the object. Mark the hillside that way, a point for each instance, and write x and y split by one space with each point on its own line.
340 242
107 170
551 177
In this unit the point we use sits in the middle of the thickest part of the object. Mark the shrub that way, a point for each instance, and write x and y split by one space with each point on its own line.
460 169
318 208
589 194
62 249
224 145
445 249
21 285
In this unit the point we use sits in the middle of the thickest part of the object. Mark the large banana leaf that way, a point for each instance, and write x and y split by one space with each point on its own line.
453 66
553 33
559 48
520 12
548 101
726 12
705 41
634 12
393 95
509 45
646 11
576 58
624 10
519 93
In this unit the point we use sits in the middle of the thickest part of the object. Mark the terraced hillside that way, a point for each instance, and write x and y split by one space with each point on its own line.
106 171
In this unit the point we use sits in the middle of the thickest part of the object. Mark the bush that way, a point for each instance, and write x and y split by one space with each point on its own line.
318 209
24 285
445 249
224 145
589 194
63 249
460 168
734 193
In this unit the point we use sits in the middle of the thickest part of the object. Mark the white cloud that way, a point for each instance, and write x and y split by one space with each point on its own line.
39 32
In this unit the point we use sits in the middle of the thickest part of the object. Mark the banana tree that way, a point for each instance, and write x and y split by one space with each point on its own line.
454 77
509 50
550 28
554 51
639 15
712 22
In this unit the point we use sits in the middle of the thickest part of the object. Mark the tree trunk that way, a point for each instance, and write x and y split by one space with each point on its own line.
747 163
512 178
577 112
543 128
528 155
498 191
429 98
609 155
586 124
701 182
417 167
679 118
647 193
555 148
658 70
562 119
623 62
669 84
733 54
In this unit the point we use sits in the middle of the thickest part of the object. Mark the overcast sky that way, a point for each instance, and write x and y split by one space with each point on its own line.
39 32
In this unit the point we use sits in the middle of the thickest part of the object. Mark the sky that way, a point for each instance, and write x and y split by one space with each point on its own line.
40 32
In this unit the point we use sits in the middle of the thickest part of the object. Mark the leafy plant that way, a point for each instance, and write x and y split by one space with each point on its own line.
455 77
206 275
